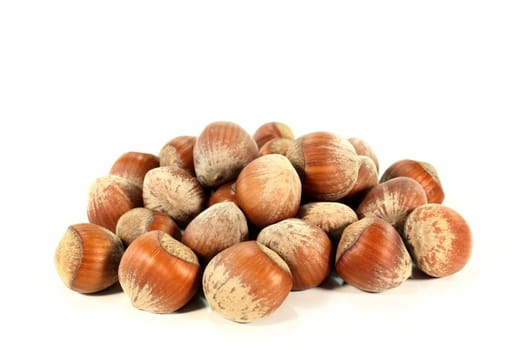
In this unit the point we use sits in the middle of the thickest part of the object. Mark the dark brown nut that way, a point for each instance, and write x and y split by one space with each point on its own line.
371 256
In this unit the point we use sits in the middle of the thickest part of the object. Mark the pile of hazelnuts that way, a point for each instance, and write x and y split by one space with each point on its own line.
250 218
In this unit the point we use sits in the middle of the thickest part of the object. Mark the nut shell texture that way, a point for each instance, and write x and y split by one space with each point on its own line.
439 239
173 191
305 248
331 217
221 151
133 166
268 190
179 152
246 282
141 220
109 198
215 229
371 256
328 164
87 258
424 173
393 200
158 273
272 130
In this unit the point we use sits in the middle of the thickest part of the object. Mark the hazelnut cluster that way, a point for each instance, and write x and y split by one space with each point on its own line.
250 218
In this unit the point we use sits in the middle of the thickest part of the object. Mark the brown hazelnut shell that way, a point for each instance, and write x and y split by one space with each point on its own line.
371 256
158 273
439 239
246 282
87 258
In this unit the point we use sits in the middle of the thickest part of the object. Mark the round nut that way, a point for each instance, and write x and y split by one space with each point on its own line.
327 164
305 248
158 273
133 166
223 193
276 146
179 152
371 256
109 198
272 130
268 190
393 200
367 178
422 172
363 148
439 239
331 217
220 153
246 282
173 191
137 221
215 229
87 258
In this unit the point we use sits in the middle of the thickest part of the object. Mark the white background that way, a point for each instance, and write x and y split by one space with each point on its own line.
83 82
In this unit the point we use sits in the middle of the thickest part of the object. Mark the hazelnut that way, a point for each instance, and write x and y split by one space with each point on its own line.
439 239
87 258
220 152
327 164
366 179
331 217
137 221
173 191
158 273
225 192
268 190
276 146
393 200
305 248
363 148
371 256
272 130
109 197
179 152
133 166
215 229
246 282
422 172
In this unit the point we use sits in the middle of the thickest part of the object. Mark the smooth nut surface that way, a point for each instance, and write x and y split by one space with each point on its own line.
305 247
179 152
133 166
327 163
272 130
246 282
225 192
367 178
393 200
439 239
215 229
268 190
87 258
158 273
109 198
371 256
424 173
363 148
